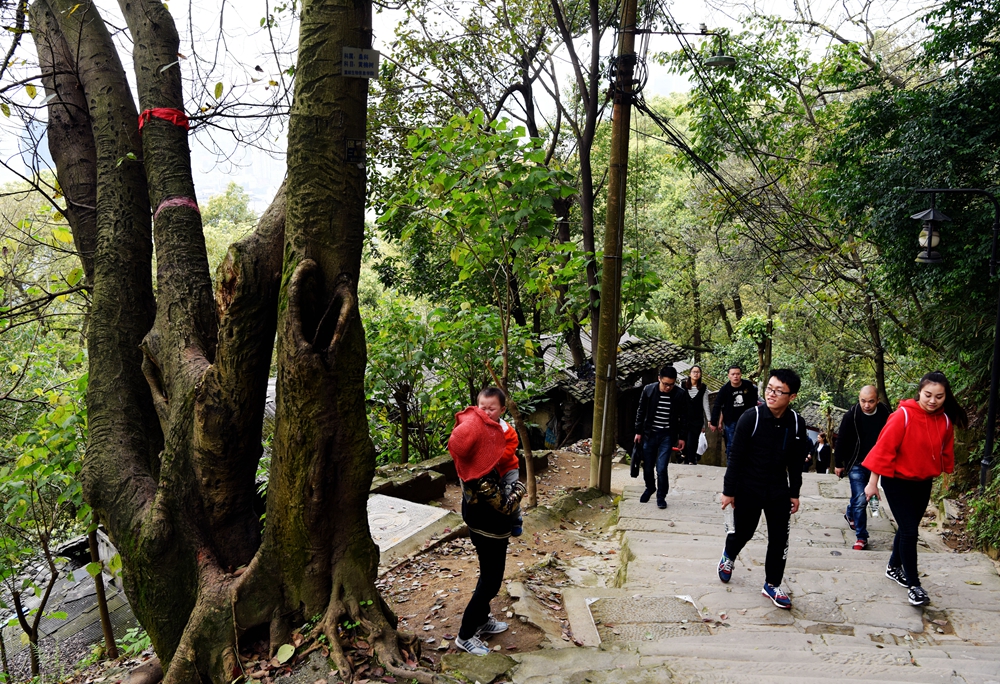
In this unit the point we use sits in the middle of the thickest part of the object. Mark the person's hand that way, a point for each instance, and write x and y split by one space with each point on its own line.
714 428
839 472
638 438
795 505
728 501
871 490
680 445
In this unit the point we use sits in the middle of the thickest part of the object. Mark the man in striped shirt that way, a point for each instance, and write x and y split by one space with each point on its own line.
659 423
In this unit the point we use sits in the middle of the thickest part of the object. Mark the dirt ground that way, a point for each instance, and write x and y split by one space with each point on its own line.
430 591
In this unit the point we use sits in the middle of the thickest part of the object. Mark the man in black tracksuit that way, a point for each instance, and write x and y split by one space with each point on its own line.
659 424
764 475
735 397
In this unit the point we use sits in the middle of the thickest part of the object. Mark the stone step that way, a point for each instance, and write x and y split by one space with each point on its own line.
681 660
694 671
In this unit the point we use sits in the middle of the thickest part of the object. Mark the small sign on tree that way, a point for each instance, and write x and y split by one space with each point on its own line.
359 63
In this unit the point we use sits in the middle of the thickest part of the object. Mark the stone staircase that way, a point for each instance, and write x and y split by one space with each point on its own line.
670 619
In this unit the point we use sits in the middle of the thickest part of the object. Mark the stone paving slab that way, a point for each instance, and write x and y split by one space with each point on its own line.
849 623
392 520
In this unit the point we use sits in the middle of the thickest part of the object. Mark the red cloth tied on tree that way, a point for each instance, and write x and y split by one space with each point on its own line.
174 116
176 202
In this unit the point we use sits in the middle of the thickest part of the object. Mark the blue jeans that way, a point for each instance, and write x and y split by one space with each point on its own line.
730 432
656 450
857 508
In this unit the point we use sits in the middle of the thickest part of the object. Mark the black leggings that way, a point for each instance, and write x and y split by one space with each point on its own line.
746 515
492 557
908 500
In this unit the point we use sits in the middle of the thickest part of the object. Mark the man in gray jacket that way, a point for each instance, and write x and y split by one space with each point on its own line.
859 430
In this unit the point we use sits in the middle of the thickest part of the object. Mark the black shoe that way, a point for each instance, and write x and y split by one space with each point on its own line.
896 574
645 495
661 504
918 597
849 521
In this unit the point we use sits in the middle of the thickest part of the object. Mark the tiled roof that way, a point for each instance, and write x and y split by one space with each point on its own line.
635 357
816 418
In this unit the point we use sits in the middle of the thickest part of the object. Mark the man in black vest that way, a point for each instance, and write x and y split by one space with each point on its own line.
859 430
735 397
659 423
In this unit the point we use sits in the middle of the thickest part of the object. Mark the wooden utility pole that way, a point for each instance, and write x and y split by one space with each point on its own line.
602 446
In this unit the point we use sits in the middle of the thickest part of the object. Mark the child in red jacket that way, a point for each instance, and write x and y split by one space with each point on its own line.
916 445
492 401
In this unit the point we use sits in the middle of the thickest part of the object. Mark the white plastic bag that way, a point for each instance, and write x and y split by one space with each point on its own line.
702 444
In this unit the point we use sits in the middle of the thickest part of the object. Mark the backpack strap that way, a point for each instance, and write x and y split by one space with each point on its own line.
756 419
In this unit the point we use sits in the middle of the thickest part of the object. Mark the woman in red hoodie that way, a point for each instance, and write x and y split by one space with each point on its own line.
916 445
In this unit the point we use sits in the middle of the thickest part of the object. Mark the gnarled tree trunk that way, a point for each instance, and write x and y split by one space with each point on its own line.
178 381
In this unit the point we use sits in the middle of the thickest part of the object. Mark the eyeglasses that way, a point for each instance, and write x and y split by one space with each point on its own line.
775 392
667 384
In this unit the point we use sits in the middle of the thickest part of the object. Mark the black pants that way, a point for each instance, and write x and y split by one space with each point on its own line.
492 555
746 515
908 500
691 446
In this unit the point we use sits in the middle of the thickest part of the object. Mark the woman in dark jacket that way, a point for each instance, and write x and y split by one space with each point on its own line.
698 413
477 444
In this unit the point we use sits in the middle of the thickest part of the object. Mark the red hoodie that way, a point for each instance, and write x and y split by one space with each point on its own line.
914 444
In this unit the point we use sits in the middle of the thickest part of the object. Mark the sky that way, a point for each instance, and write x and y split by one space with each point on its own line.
218 158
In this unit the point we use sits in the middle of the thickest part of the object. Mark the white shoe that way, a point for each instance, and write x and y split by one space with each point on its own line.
473 645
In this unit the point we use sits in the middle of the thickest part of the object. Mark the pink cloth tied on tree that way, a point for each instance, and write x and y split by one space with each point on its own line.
176 202
169 114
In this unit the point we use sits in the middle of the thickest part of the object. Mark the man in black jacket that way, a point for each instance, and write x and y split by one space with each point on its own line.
859 430
764 475
659 423
735 397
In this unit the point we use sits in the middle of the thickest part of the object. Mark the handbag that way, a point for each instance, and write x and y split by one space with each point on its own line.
636 459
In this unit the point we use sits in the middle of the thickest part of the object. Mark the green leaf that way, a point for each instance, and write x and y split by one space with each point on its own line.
62 235
94 569
31 90
74 276
5 109
58 615
218 90
285 653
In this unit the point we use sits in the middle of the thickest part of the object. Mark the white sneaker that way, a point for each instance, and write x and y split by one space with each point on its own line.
492 626
473 645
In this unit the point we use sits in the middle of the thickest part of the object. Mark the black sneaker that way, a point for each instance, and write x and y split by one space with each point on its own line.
918 597
645 495
896 574
849 521
661 504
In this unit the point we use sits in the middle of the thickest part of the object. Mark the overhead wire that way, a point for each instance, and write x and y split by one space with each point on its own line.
737 199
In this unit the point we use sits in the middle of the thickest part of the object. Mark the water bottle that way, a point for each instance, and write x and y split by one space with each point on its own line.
727 520
873 506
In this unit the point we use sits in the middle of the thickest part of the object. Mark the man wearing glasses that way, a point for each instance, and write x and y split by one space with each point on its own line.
764 475
659 422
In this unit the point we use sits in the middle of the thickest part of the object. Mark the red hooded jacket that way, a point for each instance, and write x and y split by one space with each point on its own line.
914 444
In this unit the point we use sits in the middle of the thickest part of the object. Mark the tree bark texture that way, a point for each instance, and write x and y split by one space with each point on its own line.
178 381
71 142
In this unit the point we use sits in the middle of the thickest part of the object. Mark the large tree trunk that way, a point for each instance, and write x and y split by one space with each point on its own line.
175 426
71 142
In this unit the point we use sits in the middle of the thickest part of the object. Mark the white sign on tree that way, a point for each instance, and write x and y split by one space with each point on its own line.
360 63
